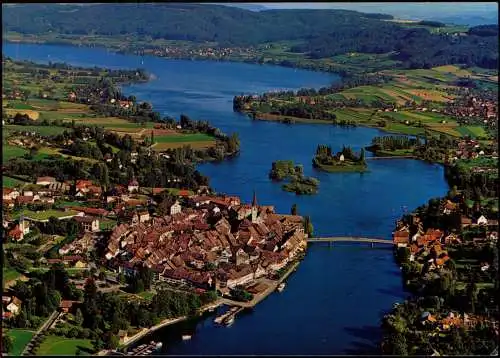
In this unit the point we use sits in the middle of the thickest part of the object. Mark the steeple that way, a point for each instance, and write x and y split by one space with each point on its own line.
254 208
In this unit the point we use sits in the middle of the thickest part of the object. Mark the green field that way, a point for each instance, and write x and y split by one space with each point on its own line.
10 151
177 138
8 182
20 339
55 345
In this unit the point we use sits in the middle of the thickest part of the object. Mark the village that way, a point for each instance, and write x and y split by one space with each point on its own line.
452 267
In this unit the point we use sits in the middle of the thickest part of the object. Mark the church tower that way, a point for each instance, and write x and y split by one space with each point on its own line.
254 208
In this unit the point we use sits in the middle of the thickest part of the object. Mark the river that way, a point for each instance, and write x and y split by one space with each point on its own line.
334 302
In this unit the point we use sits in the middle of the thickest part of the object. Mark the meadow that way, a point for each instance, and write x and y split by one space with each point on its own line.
21 338
55 345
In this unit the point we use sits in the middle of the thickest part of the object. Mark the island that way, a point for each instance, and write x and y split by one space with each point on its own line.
344 161
297 183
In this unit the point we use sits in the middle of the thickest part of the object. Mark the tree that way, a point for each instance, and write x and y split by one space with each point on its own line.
294 209
399 345
308 226
78 317
7 343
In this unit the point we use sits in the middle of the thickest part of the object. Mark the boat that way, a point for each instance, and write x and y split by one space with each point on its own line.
159 345
281 287
186 337
229 321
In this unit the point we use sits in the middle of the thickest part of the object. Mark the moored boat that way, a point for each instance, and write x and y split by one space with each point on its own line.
281 287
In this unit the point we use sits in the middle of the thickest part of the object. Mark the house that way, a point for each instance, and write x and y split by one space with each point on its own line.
176 208
143 216
133 186
45 181
10 194
14 306
244 275
401 238
123 335
449 207
67 306
482 220
88 223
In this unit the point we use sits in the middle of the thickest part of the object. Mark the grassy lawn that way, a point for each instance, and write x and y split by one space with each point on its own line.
54 345
8 182
46 214
9 274
10 151
106 224
147 295
20 339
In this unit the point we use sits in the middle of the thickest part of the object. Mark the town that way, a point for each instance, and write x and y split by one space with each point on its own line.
203 243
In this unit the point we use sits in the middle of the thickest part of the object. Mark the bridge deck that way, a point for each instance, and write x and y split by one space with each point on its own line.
350 239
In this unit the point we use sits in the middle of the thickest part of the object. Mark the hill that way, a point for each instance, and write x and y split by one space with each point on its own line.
317 33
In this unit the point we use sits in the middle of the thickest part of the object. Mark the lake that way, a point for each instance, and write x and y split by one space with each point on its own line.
334 302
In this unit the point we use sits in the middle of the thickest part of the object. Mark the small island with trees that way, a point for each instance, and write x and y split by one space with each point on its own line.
344 161
298 183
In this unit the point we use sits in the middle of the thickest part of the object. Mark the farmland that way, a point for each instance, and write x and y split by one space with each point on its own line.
407 90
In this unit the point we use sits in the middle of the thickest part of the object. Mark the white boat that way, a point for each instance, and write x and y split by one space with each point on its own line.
281 287
159 345
229 321
186 337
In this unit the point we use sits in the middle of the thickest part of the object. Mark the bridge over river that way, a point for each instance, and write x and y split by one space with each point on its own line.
368 240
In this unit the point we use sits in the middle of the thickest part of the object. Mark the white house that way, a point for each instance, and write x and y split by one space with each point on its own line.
482 220
14 306
341 158
176 208
133 186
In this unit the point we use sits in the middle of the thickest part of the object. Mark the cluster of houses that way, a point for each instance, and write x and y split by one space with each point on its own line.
471 149
474 107
208 242
179 52
443 323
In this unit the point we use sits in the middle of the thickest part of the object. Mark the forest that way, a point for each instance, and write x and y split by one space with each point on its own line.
319 33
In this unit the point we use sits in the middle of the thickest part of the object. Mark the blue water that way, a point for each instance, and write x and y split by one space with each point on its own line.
334 302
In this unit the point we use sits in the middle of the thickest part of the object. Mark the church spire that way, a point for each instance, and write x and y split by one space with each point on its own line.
254 201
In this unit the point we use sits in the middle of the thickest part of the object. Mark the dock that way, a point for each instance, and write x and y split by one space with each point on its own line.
228 316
